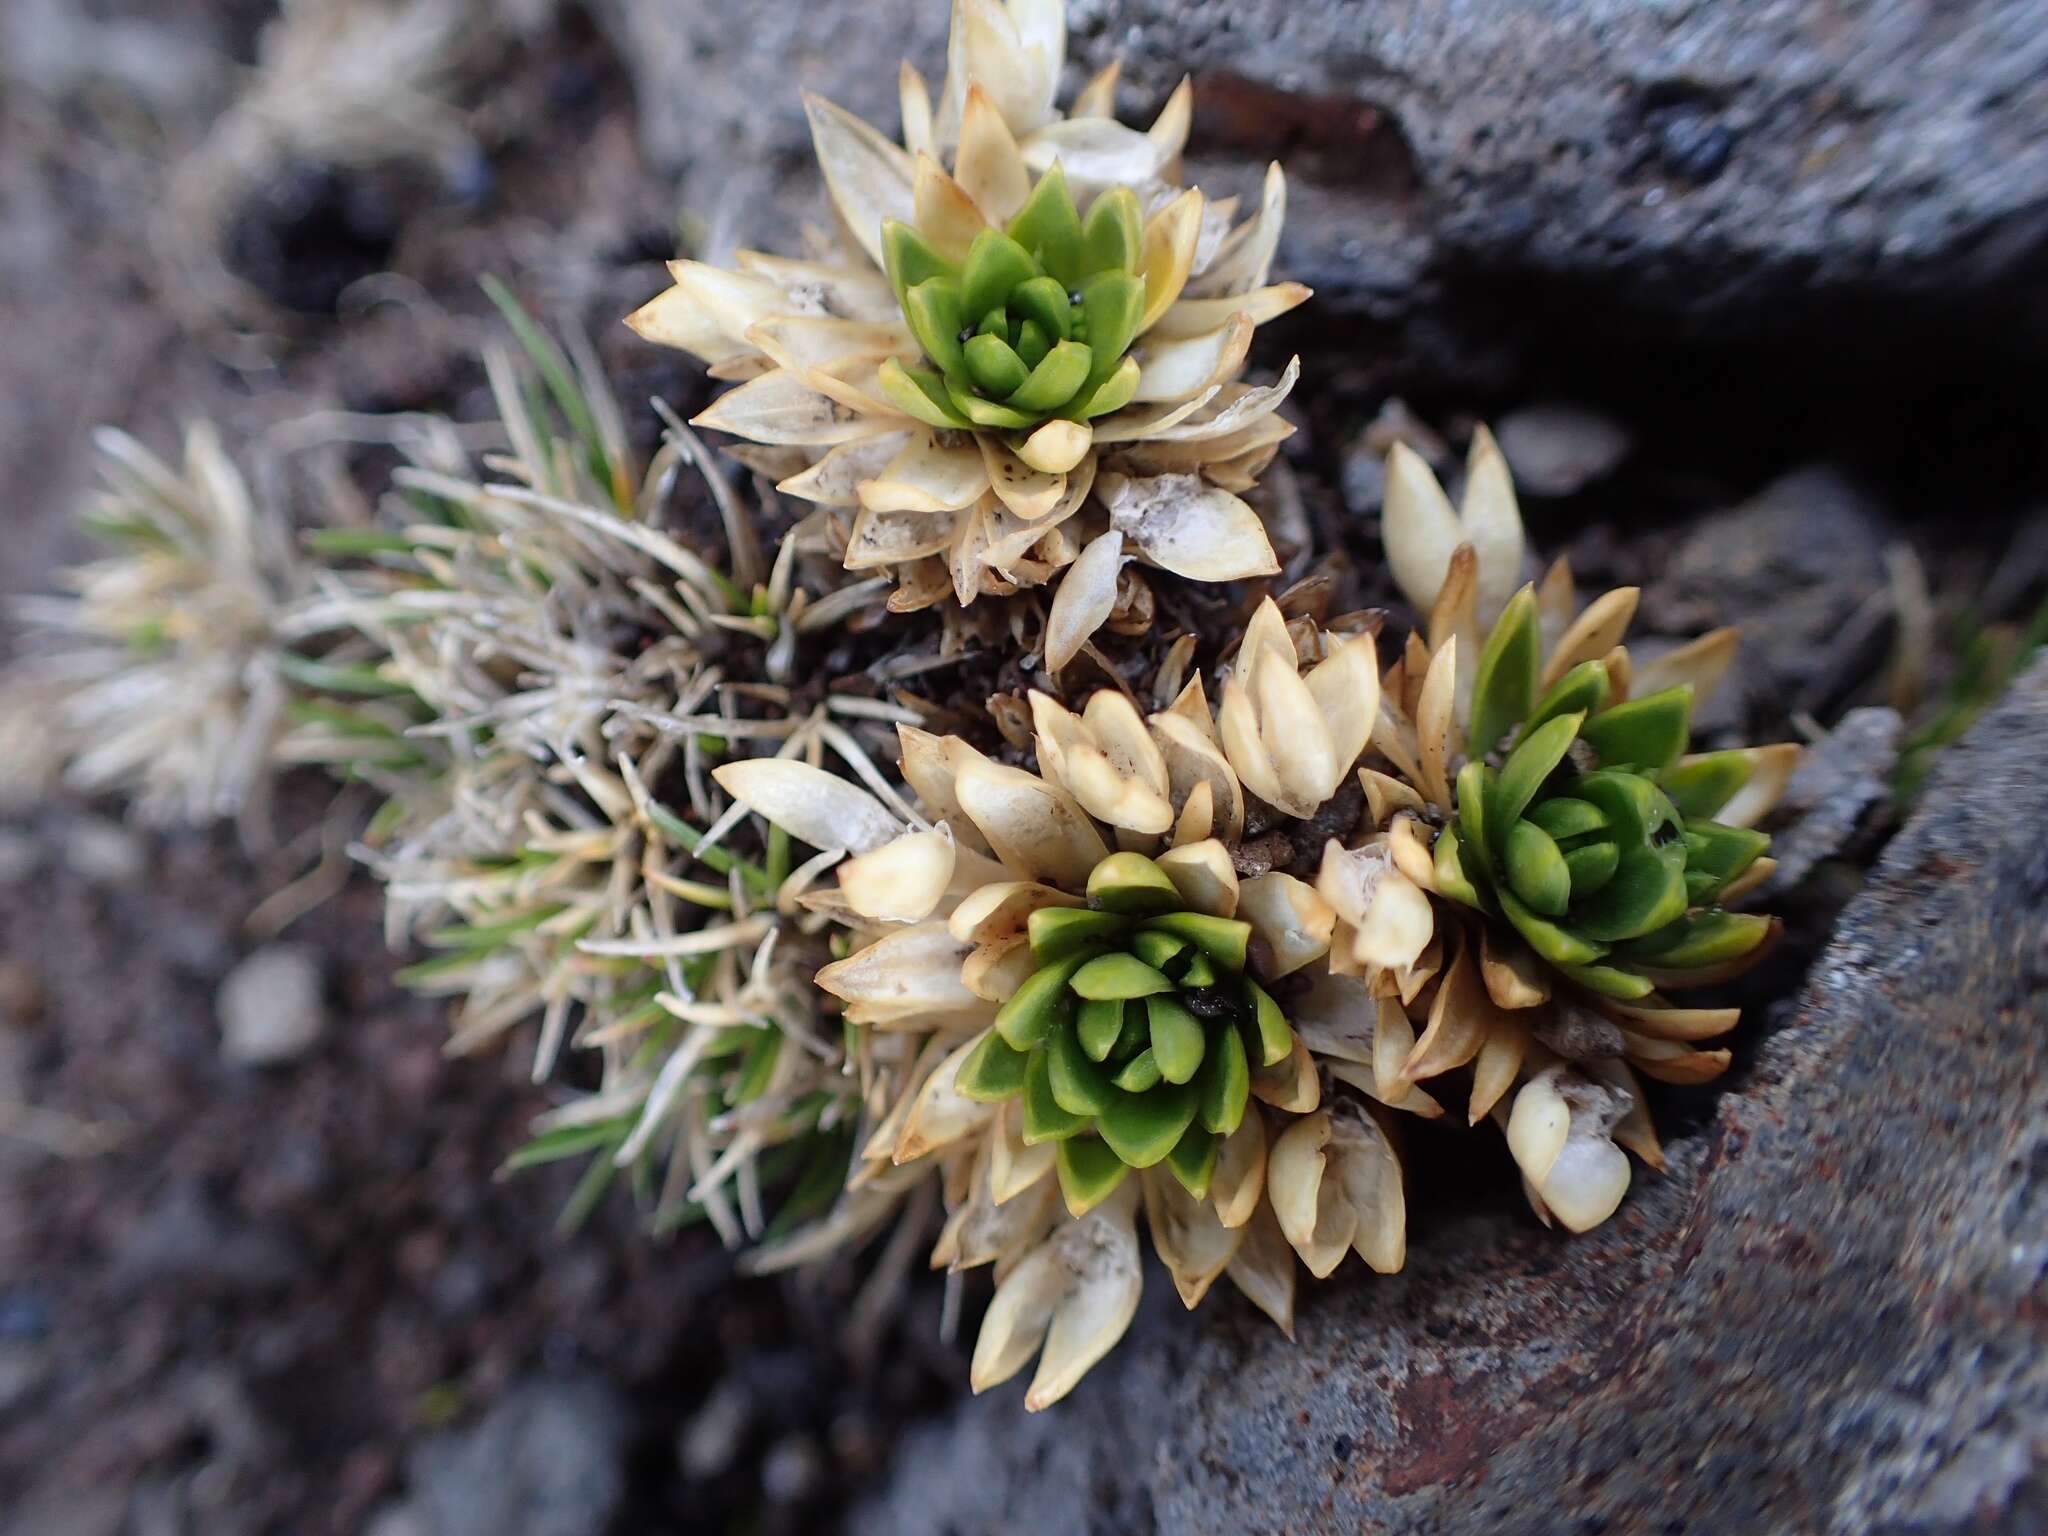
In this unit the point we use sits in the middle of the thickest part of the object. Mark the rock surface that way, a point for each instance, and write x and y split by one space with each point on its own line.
1799 567
548 1460
1827 1318
1722 165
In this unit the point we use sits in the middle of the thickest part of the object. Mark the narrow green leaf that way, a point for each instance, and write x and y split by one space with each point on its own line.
1647 891
921 395
993 1071
995 265
1610 981
1049 227
934 312
1040 1003
908 260
1580 691
329 677
1112 394
1140 1073
1225 1080
1193 1160
1647 733
1270 1040
1078 1085
1702 786
1556 944
1099 1026
1504 687
1044 300
1141 1128
1475 792
1089 1173
1056 378
347 542
1118 975
1178 1040
570 1141
987 413
1702 939
1044 1119
1223 939
995 367
1057 932
1111 306
1114 236
553 366
1130 882
1451 879
1536 870
1535 758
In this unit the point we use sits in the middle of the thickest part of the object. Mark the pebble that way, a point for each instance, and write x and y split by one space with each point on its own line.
712 1439
549 1459
1556 448
792 1469
102 852
270 1007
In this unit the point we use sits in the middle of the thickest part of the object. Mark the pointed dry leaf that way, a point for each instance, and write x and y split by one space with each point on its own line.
813 806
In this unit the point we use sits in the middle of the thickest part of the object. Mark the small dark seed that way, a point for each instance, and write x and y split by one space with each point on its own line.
1074 296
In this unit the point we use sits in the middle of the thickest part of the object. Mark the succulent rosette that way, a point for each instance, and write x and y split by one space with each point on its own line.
1063 996
1133 1042
1588 864
1027 346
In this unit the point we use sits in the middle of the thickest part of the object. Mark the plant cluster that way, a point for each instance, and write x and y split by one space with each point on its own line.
1194 945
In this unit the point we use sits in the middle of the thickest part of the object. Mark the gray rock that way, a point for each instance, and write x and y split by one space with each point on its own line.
1825 1318
1556 448
548 1459
270 1006
1799 568
186 1239
1840 791
1722 165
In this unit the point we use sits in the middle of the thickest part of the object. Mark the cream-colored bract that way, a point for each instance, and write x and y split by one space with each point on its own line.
959 513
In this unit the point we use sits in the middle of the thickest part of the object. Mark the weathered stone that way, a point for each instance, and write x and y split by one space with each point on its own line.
1724 166
549 1459
1827 1317
1556 448
1799 568
1840 792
